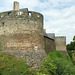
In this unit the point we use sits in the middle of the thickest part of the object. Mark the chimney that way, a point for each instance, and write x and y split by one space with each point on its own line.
16 5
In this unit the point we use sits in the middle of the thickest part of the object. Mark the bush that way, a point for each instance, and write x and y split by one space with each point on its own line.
11 66
64 65
48 67
0 45
73 61
54 64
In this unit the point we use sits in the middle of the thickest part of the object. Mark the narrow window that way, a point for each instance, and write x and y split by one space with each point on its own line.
2 24
9 13
29 14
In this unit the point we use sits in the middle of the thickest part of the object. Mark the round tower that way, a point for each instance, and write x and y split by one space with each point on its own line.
21 34
21 30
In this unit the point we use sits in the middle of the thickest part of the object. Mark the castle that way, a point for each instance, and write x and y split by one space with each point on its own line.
22 35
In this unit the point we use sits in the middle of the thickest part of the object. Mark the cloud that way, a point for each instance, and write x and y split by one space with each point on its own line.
61 21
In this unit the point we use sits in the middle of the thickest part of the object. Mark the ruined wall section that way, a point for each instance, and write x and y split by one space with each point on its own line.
49 44
20 30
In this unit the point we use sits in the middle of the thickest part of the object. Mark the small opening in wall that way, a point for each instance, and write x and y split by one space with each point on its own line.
2 15
29 14
2 24
38 16
9 13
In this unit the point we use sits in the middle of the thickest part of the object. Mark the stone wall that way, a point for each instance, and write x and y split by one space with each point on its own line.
21 35
33 58
20 30
49 44
60 42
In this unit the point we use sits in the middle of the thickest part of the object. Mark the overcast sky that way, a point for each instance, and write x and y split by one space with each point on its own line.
59 15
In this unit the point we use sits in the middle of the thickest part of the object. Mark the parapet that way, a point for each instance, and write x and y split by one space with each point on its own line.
60 36
24 15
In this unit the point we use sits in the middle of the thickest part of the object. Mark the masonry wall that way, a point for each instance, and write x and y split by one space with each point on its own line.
21 30
21 35
60 42
49 44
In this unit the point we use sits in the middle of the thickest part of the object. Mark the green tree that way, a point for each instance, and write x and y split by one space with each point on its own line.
71 47
64 65
74 38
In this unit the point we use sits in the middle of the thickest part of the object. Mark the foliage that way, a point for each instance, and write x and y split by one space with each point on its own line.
46 48
0 45
74 38
48 67
71 47
70 53
4 13
0 15
54 64
10 66
64 65
73 61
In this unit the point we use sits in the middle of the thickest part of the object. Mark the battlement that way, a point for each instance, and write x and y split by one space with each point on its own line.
23 14
20 14
60 36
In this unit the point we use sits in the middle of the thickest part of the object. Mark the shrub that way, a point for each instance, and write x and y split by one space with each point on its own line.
54 64
64 65
0 45
73 61
11 66
48 67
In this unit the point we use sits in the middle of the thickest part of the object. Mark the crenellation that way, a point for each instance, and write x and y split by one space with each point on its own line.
22 15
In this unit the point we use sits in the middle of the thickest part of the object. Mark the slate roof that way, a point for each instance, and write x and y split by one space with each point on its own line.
50 35
24 9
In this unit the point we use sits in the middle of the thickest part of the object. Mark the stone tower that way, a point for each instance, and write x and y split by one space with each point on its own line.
60 42
21 34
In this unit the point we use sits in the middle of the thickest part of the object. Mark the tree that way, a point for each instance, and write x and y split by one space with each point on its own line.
71 47
74 38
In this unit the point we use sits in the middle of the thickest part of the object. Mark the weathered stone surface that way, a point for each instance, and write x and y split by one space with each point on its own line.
33 58
49 44
22 33
60 43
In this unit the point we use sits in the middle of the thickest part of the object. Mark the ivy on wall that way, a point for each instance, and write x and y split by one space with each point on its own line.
46 47
0 45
